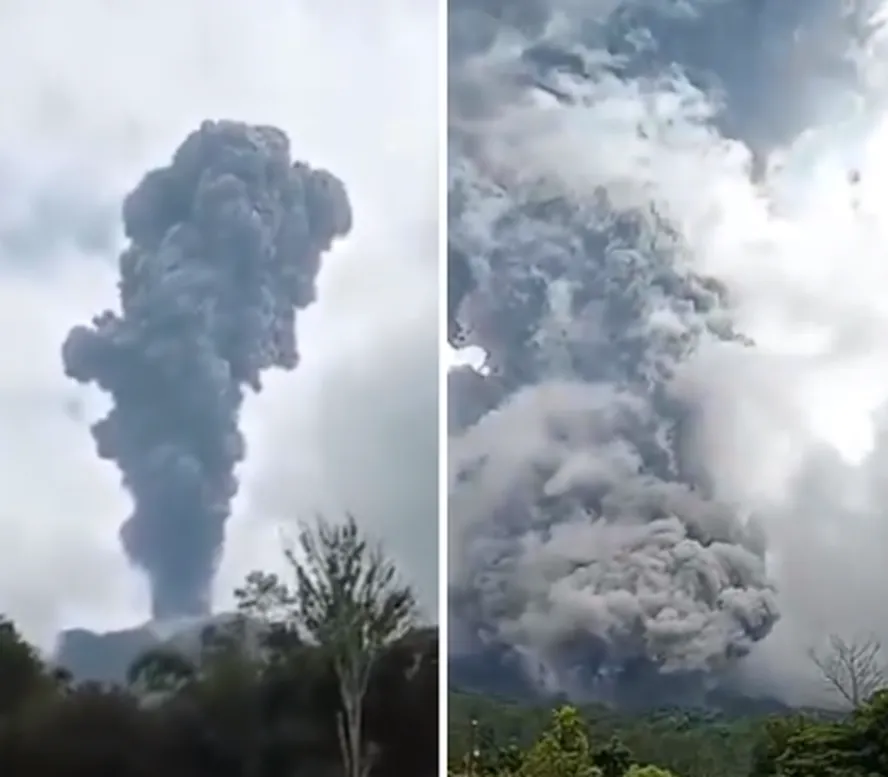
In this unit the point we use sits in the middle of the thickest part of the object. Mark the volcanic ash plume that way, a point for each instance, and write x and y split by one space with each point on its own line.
225 247
583 540
568 549
578 540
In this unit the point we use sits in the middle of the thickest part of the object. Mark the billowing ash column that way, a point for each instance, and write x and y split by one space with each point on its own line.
225 247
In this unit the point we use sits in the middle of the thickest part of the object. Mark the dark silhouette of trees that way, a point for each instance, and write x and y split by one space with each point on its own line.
258 697
347 600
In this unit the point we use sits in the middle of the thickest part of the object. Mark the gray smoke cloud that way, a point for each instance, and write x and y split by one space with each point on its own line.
589 548
588 533
578 539
225 247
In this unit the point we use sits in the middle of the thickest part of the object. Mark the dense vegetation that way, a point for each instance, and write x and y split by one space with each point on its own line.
258 699
495 738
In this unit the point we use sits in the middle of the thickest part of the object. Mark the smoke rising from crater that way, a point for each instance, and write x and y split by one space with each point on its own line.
628 189
225 246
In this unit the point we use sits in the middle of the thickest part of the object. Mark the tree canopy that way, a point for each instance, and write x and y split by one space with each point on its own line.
495 738
260 697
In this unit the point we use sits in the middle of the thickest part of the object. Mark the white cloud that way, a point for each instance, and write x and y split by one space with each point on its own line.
96 93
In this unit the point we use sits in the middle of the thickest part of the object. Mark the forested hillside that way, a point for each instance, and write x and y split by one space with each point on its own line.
489 736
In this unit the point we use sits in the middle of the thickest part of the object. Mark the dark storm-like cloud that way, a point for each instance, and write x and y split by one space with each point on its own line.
225 246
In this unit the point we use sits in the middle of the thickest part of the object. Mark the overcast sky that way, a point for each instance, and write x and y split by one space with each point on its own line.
92 98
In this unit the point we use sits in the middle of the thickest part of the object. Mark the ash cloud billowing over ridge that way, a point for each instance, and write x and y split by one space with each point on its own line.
587 540
225 246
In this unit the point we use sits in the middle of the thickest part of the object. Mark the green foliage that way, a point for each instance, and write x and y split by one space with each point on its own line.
563 750
347 593
685 743
671 744
509 760
220 714
161 670
349 603
775 737
648 771
614 759
254 700
23 677
857 747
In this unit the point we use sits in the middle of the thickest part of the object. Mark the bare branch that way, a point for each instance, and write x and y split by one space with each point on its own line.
852 669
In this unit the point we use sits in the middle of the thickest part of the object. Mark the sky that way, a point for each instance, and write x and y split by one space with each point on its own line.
99 93
794 430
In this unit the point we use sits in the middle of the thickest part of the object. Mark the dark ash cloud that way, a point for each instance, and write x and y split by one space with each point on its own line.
225 247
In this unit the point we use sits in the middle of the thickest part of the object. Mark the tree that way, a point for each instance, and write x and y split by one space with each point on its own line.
265 597
854 670
349 601
509 759
22 673
648 771
220 711
856 746
776 735
161 670
563 749
824 750
614 758
870 722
